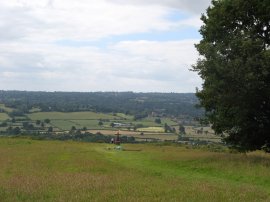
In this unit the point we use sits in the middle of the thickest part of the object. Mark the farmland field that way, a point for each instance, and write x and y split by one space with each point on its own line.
72 171
90 123
70 115
163 120
152 129
3 116
67 124
124 116
90 120
6 109
109 123
62 124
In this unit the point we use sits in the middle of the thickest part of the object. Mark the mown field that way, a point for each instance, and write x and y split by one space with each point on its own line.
72 171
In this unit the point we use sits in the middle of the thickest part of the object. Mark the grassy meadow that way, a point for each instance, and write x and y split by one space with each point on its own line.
69 115
5 108
3 116
73 171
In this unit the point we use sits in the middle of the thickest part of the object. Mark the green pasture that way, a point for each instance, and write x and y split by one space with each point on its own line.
90 124
63 124
6 109
4 116
79 124
72 171
168 121
70 115
152 129
124 116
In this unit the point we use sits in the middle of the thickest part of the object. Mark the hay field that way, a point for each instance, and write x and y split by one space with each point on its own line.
72 171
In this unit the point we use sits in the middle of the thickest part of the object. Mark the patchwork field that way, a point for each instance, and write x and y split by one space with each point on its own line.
102 123
71 171
90 120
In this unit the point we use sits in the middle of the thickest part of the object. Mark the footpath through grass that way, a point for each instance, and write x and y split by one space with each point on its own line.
72 171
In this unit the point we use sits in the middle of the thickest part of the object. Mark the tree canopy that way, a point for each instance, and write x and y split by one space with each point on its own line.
235 68
138 104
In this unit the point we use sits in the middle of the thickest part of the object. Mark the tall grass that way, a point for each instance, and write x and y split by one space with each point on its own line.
70 171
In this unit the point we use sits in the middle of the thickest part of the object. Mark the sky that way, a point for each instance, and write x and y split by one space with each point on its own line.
100 45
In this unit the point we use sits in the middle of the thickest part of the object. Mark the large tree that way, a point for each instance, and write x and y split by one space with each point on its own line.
235 68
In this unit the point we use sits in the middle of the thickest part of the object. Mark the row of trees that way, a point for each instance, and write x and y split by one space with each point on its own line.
137 104
75 135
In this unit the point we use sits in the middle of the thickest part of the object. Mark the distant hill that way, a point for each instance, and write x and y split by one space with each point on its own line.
167 104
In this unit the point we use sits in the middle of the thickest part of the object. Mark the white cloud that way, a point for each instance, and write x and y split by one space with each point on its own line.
136 65
193 6
31 60
52 20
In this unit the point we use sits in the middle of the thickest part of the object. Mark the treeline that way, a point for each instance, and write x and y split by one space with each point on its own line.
75 136
168 104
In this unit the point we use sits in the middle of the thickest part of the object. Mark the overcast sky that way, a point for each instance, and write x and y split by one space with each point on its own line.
99 45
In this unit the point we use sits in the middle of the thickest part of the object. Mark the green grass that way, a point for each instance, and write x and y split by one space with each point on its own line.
79 124
90 124
4 116
168 121
163 121
152 129
72 171
124 116
69 116
63 124
7 109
